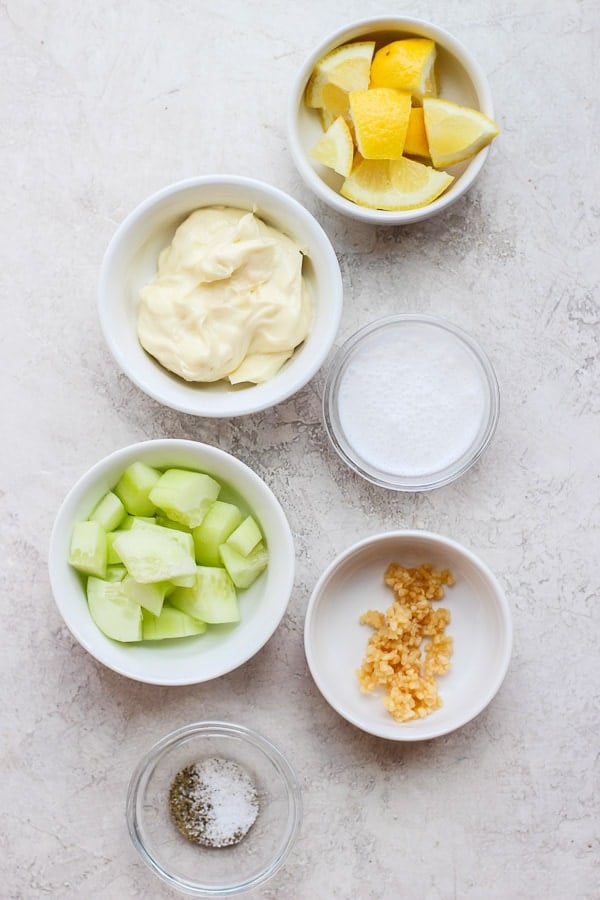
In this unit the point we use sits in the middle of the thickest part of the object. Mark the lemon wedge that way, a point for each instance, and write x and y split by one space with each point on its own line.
380 118
407 65
394 184
347 67
455 133
336 148
416 137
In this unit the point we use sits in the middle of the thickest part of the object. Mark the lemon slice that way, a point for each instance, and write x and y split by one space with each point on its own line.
380 118
336 148
455 133
335 103
407 65
416 138
394 184
347 67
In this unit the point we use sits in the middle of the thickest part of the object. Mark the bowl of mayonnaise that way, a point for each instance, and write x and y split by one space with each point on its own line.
220 296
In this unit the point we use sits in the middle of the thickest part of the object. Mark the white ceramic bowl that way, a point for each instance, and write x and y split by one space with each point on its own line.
130 263
221 648
199 871
460 78
480 625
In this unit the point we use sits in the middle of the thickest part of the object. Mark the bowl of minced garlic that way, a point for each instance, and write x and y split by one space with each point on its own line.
214 808
440 635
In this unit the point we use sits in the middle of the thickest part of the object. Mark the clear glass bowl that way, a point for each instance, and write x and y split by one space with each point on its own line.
214 872
410 402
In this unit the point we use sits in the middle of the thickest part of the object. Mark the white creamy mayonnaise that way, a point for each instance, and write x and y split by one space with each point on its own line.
228 301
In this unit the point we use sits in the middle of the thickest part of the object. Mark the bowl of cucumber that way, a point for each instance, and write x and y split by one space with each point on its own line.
171 562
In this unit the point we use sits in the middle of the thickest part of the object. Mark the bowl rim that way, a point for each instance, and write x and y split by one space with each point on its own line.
335 370
408 735
64 517
218 728
353 32
298 212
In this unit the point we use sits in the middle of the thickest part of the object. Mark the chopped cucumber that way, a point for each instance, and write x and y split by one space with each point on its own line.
87 552
245 537
130 522
134 486
152 553
115 614
115 573
244 570
171 623
112 557
150 596
212 599
109 512
185 496
169 523
218 523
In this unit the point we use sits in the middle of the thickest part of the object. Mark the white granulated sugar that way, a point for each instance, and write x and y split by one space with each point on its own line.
412 403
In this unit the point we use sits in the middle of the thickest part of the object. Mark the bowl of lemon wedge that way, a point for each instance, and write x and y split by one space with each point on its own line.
390 120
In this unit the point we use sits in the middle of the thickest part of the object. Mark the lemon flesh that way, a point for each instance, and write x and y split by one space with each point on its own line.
407 65
394 184
347 67
380 118
454 132
416 137
336 148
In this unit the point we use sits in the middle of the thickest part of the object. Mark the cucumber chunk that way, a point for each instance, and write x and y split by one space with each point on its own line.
212 598
134 486
171 623
169 523
115 614
244 570
109 512
112 557
115 573
218 523
245 537
185 496
87 552
150 596
152 553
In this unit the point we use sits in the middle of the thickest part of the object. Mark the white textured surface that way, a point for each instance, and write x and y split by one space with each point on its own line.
105 103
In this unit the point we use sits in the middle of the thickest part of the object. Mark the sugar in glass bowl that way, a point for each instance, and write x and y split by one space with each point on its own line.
221 648
410 402
223 871
460 79
130 262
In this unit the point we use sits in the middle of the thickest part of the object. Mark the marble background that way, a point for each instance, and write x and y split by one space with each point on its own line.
103 104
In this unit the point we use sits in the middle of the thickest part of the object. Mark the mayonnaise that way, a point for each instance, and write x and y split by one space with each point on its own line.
228 300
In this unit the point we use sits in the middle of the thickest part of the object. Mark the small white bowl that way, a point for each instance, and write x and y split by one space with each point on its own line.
221 648
460 78
335 641
130 263
411 402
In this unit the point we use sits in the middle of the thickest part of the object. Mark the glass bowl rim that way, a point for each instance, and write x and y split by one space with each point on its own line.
214 728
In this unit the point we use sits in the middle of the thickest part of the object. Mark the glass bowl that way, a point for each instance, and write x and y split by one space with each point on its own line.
410 402
208 871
